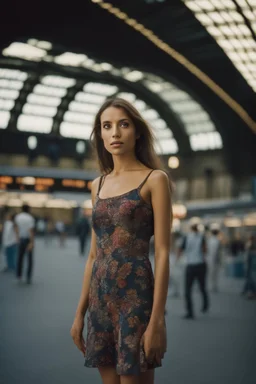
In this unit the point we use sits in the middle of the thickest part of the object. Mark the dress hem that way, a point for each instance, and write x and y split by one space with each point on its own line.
118 371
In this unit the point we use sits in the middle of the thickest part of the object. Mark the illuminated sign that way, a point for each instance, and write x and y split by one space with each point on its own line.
44 184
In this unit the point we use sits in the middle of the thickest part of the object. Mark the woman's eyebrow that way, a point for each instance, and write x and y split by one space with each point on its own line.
109 122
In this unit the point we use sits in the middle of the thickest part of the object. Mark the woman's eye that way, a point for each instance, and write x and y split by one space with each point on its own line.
106 126
125 124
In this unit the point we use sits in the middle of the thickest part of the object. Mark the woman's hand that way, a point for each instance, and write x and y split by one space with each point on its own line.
154 342
77 333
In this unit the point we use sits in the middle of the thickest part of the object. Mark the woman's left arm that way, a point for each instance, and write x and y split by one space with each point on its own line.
161 203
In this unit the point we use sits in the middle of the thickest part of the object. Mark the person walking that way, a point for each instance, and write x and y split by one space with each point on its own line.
249 288
26 226
126 334
194 247
214 256
10 241
83 229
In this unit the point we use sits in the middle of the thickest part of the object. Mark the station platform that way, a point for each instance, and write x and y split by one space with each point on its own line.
36 347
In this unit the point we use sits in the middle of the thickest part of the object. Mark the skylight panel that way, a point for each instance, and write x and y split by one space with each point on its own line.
30 124
4 119
79 131
102 89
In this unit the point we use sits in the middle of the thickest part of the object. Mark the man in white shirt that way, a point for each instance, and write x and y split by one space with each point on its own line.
194 247
9 241
26 224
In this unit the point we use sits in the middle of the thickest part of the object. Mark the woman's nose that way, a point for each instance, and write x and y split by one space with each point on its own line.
116 132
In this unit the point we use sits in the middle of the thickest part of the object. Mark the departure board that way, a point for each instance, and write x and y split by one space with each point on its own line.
43 184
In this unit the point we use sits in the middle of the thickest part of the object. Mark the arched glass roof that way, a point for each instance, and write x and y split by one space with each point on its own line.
233 25
50 99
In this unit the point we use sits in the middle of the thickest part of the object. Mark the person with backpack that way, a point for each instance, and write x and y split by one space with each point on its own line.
194 248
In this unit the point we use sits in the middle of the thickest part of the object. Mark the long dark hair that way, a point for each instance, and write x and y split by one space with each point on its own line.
144 149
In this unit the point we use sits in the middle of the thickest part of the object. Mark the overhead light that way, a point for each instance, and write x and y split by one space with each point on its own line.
6 105
205 141
32 142
58 81
102 89
159 124
80 147
150 114
28 123
140 105
28 180
90 98
167 147
204 19
44 45
32 41
78 117
4 119
214 31
49 91
163 134
193 6
11 84
24 51
134 76
106 66
79 131
9 93
233 222
14 74
77 106
127 96
44 100
154 86
70 59
39 110
173 162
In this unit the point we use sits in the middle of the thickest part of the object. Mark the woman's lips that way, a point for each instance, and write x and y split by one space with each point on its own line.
116 145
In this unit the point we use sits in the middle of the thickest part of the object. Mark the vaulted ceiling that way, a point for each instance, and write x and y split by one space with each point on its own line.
164 56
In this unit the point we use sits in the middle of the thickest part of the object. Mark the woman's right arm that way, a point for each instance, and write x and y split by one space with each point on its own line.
78 324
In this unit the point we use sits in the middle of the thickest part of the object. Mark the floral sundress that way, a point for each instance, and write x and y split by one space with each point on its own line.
122 283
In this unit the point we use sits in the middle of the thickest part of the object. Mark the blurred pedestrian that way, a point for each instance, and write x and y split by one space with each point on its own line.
250 279
26 228
10 242
194 247
83 229
237 245
214 256
60 229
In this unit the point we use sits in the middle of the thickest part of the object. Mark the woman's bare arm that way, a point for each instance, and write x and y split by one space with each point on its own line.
84 297
161 203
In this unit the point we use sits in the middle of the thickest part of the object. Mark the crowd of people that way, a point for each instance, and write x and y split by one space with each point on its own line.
18 234
196 255
205 253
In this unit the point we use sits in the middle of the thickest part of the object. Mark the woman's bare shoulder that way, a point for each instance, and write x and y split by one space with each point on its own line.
159 176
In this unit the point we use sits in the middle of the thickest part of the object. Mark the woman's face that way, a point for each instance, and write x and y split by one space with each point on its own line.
117 131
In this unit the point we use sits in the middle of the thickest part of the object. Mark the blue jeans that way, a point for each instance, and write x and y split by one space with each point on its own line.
11 256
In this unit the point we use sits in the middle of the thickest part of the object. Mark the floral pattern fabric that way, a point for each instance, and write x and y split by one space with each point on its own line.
122 284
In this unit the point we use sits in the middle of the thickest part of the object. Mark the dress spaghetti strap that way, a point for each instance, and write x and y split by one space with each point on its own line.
100 184
144 181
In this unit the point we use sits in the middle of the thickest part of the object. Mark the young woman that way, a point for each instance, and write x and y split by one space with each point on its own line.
126 336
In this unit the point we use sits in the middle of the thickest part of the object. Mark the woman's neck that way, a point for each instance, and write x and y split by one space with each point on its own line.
125 163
